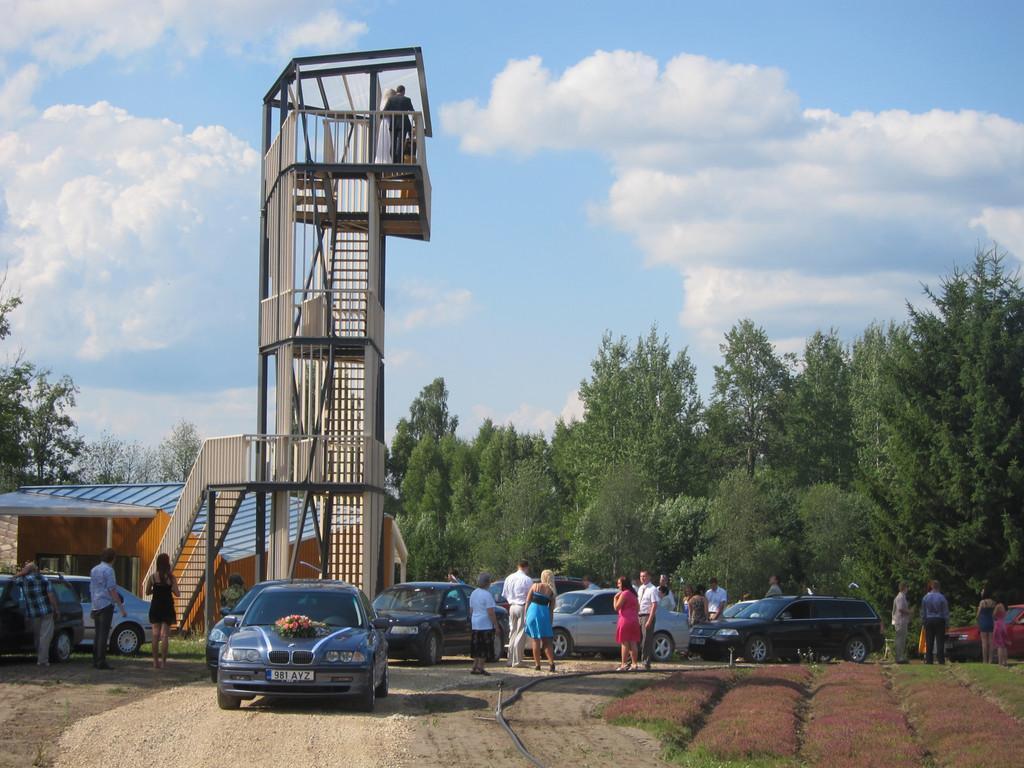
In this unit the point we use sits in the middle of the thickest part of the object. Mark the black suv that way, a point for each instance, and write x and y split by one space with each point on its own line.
786 627
16 631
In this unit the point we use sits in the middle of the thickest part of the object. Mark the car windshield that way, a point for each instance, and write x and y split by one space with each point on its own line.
735 608
335 609
570 602
760 609
246 600
1012 614
495 589
413 599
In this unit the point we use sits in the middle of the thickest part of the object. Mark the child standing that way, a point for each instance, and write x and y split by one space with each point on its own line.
1000 638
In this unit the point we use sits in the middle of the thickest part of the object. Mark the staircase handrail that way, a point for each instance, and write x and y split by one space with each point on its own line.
221 460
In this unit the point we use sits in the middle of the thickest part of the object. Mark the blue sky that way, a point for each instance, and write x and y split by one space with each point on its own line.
806 165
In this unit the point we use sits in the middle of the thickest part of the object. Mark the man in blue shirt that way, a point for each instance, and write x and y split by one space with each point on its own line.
935 613
41 607
103 590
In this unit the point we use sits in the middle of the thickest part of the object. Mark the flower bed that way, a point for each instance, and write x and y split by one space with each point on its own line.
855 722
757 718
958 726
674 704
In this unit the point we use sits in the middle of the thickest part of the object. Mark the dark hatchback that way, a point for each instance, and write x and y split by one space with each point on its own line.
786 627
16 630
222 630
428 619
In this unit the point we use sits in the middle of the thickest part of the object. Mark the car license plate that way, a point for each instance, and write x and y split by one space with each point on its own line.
291 675
697 640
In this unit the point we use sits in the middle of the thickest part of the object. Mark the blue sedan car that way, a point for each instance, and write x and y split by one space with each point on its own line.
347 657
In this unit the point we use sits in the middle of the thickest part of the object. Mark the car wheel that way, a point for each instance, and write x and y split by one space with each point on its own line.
227 702
382 689
367 700
127 640
664 646
856 649
60 648
213 675
562 643
757 649
431 653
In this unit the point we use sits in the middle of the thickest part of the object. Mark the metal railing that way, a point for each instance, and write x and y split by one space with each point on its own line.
315 459
220 460
320 313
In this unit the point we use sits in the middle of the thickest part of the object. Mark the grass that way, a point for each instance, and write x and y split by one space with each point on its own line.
192 646
996 681
960 727
670 709
854 721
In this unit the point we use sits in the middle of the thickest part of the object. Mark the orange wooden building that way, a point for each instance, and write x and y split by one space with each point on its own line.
64 528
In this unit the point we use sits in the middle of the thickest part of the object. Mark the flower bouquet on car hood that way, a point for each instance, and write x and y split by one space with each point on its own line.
297 625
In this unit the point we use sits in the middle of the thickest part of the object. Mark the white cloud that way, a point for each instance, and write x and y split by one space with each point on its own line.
16 95
764 207
1005 226
128 236
68 33
532 418
327 31
149 417
429 306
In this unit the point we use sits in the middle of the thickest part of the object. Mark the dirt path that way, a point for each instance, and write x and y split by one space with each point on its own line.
37 705
439 716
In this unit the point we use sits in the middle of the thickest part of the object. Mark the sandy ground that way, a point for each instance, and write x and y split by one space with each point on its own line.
437 716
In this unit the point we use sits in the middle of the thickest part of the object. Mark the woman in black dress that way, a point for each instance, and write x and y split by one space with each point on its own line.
164 588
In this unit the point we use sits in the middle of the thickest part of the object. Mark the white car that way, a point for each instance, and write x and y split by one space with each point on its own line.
585 621
127 633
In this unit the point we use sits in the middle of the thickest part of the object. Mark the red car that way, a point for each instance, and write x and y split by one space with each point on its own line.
964 643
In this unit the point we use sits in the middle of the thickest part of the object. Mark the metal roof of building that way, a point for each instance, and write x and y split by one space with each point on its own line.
240 541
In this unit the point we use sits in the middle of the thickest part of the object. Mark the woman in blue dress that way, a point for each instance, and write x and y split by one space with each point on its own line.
540 610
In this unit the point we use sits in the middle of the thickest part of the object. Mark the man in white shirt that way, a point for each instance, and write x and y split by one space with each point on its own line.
716 598
649 598
516 588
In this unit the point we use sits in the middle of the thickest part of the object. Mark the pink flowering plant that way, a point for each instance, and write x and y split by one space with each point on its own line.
297 625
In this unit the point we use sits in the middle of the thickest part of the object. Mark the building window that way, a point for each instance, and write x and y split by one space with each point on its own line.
126 569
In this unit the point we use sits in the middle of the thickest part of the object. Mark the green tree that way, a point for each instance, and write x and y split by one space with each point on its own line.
753 533
616 533
819 442
642 410
112 460
525 521
178 451
428 416
749 392
952 508
836 525
51 437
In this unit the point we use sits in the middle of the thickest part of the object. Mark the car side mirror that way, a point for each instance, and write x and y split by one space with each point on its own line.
784 617
231 621
381 623
447 608
587 612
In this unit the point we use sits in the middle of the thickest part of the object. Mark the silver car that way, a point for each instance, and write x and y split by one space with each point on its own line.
585 621
127 633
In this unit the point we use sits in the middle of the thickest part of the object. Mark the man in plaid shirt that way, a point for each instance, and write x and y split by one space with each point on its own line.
41 607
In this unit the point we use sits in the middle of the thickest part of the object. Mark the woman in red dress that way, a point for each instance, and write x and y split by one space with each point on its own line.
627 633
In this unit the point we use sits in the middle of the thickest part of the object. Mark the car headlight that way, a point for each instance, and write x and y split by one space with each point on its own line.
344 657
242 654
400 630
727 633
217 636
